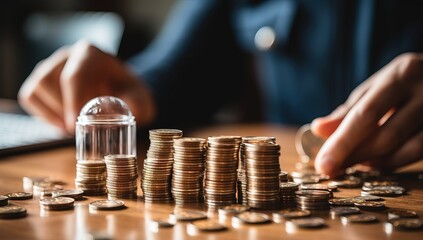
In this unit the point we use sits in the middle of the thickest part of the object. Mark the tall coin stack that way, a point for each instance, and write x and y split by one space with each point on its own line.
188 170
157 170
242 177
91 177
262 170
122 175
221 170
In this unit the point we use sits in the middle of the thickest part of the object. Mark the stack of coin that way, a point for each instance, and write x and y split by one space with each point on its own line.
157 170
122 175
287 194
242 178
262 170
312 199
283 177
188 170
221 170
91 177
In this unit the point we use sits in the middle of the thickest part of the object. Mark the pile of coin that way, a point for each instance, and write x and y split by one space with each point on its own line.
312 199
221 170
91 177
188 170
242 177
287 194
157 169
262 170
122 176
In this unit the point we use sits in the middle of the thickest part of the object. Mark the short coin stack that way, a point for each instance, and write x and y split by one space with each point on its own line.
312 199
242 177
91 177
122 175
262 170
188 170
287 194
221 170
157 170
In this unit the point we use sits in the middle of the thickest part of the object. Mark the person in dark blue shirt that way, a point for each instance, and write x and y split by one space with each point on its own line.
353 68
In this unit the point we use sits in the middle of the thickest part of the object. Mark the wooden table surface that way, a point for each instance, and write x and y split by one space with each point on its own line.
134 221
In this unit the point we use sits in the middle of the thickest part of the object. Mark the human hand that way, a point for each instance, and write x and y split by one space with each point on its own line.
60 85
381 123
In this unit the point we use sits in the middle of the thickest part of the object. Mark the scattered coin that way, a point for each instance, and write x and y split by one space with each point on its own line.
251 218
401 213
233 209
4 200
342 211
342 202
309 222
407 224
161 223
382 193
290 214
107 205
370 205
19 195
347 183
368 198
57 203
187 215
359 218
72 193
12 211
207 225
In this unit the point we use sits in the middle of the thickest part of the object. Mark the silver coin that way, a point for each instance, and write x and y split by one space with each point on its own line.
401 213
252 218
187 215
307 144
359 218
291 214
12 211
161 223
233 209
107 205
407 224
342 211
57 203
309 222
207 225
370 205
19 195
4 200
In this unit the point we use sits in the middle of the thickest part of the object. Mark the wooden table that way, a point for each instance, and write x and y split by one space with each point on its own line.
134 222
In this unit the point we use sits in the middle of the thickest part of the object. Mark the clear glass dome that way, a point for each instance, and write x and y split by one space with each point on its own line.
105 109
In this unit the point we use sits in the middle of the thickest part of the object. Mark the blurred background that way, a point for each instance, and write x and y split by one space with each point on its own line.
31 30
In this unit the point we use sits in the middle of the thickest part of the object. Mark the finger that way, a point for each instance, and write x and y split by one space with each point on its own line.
411 151
325 126
360 122
393 133
37 108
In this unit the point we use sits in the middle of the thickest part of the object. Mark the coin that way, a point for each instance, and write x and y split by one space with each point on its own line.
57 203
368 198
341 202
251 218
307 144
407 224
12 211
161 223
359 218
187 215
342 211
72 193
370 205
401 213
107 205
19 195
4 200
233 209
290 214
207 225
308 222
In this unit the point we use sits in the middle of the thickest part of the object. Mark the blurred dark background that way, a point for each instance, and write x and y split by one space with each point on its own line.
31 30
